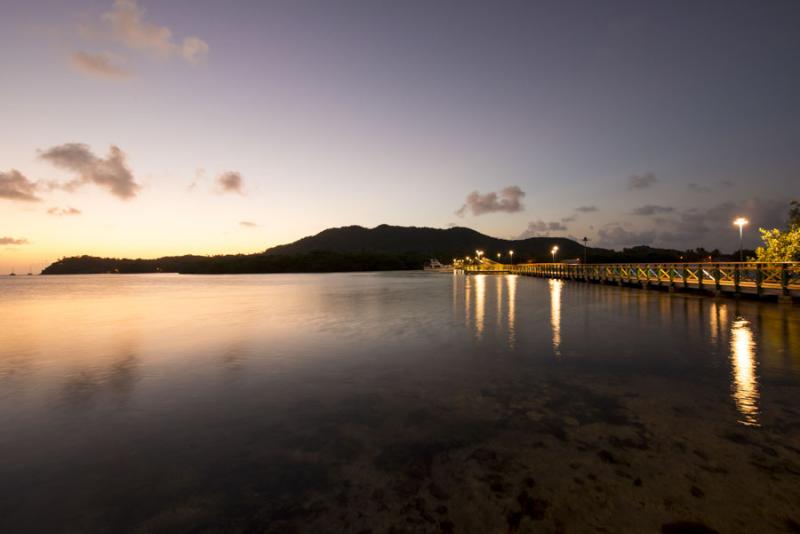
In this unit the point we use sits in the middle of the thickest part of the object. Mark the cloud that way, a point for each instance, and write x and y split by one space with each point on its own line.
710 227
99 65
698 188
15 186
12 241
230 182
652 209
642 181
110 173
713 227
586 209
194 50
508 199
249 224
617 236
541 228
126 24
571 218
63 211
199 175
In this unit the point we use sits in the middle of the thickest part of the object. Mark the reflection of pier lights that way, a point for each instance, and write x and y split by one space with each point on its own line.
467 297
555 313
512 311
743 362
499 299
480 302
718 321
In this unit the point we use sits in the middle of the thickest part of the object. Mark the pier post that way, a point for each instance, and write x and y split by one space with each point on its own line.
717 274
701 274
671 275
759 280
785 297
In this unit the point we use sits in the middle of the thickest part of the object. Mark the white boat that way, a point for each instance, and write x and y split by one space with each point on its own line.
436 266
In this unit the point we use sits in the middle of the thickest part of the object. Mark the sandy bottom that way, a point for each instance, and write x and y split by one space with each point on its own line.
559 452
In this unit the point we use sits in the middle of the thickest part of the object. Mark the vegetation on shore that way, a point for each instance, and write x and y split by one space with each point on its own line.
782 245
311 262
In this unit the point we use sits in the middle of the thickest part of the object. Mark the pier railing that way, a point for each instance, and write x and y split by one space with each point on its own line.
734 277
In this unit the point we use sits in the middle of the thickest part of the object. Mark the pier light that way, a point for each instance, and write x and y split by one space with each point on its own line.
498 255
511 253
553 252
740 222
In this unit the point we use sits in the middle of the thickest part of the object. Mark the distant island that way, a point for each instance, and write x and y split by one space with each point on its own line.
383 248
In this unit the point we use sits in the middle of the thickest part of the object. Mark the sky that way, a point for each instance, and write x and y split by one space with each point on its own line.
143 128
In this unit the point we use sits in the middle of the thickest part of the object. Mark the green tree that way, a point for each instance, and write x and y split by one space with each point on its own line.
779 246
794 213
782 246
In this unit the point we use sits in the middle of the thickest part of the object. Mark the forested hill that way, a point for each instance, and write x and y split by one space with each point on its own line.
444 244
355 248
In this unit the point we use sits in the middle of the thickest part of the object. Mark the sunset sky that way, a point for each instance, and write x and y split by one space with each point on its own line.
147 128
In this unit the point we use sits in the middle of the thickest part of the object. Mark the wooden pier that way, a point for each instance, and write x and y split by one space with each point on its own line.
768 280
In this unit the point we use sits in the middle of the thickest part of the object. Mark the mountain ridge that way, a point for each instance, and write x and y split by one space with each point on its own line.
445 243
357 248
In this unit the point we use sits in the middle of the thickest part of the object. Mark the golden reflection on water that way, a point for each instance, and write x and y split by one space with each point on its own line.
743 361
480 303
713 322
718 321
499 301
467 298
512 311
555 313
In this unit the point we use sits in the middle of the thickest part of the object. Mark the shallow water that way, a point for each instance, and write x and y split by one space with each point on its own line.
392 402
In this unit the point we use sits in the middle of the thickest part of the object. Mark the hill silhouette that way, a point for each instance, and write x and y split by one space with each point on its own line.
355 248
444 244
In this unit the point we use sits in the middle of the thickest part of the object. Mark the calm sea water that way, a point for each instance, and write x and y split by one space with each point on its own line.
392 402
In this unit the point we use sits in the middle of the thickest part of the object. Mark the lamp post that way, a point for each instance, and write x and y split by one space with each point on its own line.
498 257
740 222
553 252
511 253
585 250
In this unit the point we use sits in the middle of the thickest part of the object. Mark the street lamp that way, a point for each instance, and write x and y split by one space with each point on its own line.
498 257
553 252
585 250
511 253
740 222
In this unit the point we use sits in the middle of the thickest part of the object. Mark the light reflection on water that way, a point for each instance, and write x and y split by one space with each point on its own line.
108 374
511 280
480 303
735 338
555 313
743 361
